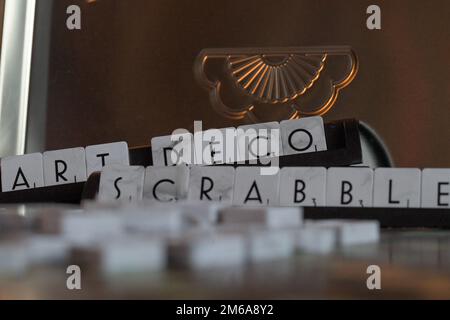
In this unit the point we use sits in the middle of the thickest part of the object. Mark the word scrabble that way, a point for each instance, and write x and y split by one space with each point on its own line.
291 186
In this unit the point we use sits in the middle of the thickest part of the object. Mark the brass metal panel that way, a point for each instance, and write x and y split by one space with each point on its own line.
128 74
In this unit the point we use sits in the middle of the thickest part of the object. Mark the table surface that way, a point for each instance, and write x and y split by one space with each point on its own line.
414 264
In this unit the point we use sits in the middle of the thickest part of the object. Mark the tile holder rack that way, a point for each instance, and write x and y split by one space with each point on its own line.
344 149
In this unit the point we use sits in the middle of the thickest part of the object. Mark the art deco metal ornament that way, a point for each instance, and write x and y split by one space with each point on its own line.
275 83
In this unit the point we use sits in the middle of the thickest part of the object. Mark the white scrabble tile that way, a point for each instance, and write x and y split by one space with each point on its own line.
258 141
397 187
157 219
201 213
435 188
43 249
262 243
316 240
351 232
251 188
351 187
271 217
200 251
122 183
13 258
64 166
303 186
89 205
121 255
98 156
175 149
22 172
215 146
303 135
49 220
90 226
211 184
166 184
270 244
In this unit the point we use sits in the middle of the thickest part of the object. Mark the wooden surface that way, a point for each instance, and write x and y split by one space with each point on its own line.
414 264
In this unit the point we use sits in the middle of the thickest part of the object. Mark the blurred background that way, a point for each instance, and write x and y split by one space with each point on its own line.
127 74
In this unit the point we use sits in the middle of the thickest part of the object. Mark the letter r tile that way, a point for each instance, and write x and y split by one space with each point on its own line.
64 166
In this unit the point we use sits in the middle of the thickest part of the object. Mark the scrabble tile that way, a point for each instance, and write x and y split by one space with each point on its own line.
48 220
200 251
254 189
272 217
270 244
122 183
13 258
397 187
351 187
258 140
262 243
155 219
435 188
22 172
211 184
316 240
303 135
175 149
166 184
64 166
89 226
121 255
351 232
47 249
201 213
303 186
98 156
89 205
215 146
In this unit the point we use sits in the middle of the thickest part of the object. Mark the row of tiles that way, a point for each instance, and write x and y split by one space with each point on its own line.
192 236
249 142
291 186
76 164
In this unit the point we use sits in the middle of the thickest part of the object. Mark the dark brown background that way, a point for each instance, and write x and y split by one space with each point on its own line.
127 75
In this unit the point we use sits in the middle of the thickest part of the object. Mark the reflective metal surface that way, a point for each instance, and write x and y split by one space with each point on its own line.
128 73
275 84
15 70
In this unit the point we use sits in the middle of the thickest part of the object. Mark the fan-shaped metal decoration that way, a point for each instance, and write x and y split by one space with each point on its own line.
273 80
283 82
